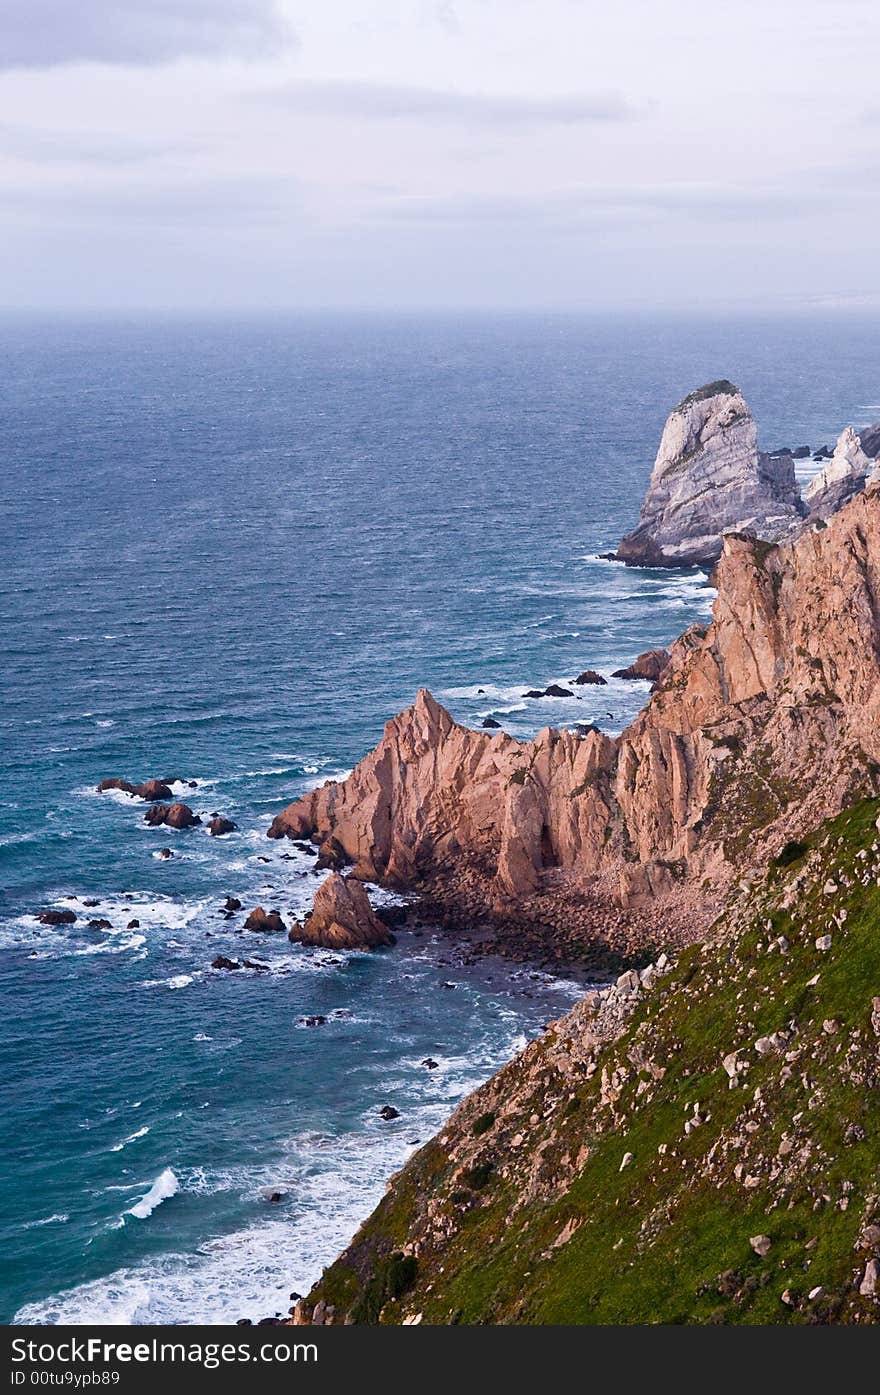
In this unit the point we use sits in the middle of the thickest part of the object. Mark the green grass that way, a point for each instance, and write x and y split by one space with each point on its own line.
667 1239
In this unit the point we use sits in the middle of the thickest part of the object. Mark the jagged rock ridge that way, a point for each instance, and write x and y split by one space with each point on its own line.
760 725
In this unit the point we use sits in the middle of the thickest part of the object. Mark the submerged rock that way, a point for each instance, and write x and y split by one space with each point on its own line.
342 918
709 479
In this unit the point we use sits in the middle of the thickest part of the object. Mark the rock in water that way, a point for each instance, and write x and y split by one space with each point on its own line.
56 917
846 473
649 665
219 826
266 922
174 815
590 675
150 789
709 479
342 918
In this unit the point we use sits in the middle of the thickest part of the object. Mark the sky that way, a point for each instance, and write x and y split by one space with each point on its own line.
588 155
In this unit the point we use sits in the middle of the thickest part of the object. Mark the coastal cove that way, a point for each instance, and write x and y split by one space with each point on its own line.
239 549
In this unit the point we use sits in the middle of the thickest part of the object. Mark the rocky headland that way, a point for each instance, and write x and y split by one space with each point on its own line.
759 726
697 1142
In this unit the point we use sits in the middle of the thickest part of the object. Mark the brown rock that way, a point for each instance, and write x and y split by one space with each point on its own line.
221 962
342 918
332 856
768 721
266 922
649 665
174 815
218 826
149 790
56 917
590 675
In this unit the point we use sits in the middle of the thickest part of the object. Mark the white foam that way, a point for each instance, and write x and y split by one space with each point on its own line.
165 1186
57 1219
132 1137
176 981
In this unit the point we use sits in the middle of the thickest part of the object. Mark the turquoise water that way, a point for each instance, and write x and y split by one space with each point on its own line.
231 551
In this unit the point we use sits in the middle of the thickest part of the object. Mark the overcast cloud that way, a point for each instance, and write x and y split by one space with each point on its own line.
46 33
400 154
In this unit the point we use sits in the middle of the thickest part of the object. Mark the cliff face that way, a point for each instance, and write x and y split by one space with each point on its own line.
709 478
697 1144
759 727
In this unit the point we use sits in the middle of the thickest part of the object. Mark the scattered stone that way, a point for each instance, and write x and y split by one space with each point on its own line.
625 1161
823 942
760 1244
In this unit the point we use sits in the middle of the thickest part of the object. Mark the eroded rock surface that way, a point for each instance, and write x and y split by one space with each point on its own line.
709 478
342 918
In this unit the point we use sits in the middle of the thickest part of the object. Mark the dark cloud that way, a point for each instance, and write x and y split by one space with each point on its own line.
387 102
50 33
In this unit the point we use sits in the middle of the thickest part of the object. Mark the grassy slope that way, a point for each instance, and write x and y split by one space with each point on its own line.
667 1238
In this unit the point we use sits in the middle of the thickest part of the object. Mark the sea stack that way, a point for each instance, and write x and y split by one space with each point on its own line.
709 479
342 918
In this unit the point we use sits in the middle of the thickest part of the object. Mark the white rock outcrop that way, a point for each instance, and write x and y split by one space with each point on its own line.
847 472
709 478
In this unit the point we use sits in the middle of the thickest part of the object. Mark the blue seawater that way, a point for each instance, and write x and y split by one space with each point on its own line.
230 551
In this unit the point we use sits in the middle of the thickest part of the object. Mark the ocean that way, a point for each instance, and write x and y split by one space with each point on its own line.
232 549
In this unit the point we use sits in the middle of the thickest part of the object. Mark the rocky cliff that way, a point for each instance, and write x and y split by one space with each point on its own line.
697 1144
759 726
845 474
709 478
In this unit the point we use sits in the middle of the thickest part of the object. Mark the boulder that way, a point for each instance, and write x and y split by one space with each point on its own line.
556 691
56 917
590 675
219 826
389 1112
221 962
265 922
232 903
710 479
649 665
491 724
174 815
342 918
534 693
